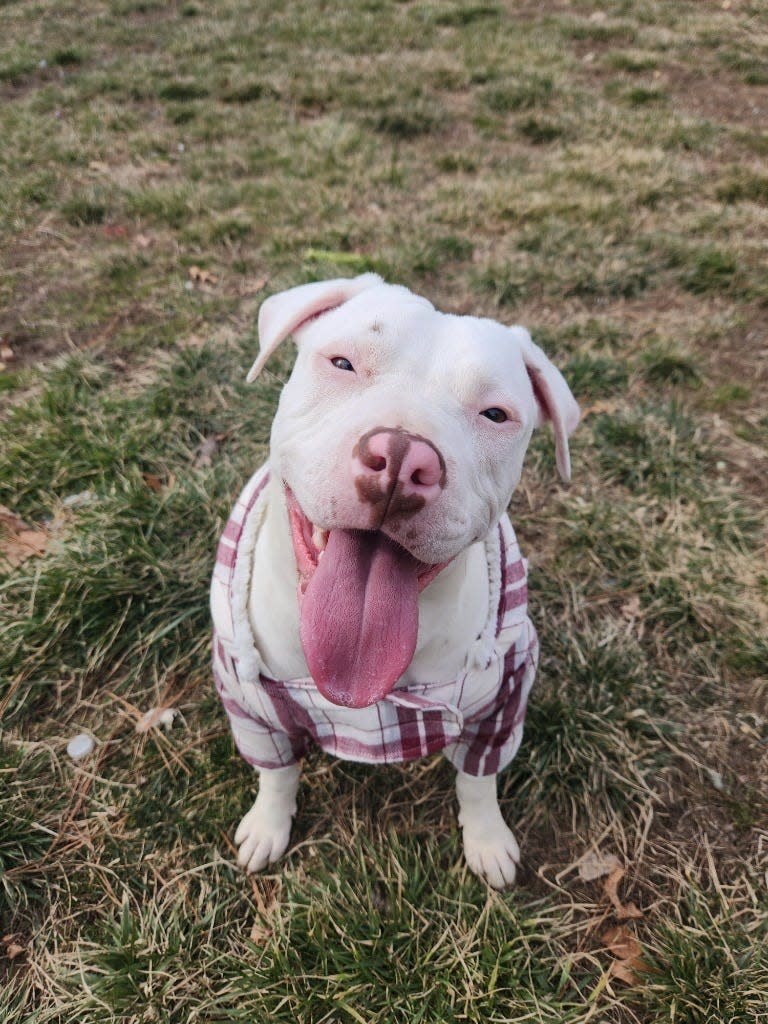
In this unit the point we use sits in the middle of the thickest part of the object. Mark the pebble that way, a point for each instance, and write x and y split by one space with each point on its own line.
80 746
75 500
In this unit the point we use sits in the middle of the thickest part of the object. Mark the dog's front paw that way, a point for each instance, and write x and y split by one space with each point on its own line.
262 836
493 854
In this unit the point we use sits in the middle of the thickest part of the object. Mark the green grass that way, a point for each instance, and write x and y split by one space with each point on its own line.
595 175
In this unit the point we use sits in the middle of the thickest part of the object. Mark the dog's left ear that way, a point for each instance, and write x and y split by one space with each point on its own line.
286 312
553 398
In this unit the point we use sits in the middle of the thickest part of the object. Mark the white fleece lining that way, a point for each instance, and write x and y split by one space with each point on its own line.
251 665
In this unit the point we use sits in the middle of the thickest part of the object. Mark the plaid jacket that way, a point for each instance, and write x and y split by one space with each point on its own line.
476 720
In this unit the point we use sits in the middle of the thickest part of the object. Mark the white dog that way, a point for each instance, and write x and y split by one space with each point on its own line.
369 594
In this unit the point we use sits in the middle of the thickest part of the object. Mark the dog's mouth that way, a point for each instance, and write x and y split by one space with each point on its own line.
358 601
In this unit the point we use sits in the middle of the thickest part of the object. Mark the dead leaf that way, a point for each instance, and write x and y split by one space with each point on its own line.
202 276
631 608
12 948
596 864
154 482
115 231
621 942
157 483
262 928
260 933
142 241
622 970
628 953
18 541
635 620
7 354
603 406
254 287
624 911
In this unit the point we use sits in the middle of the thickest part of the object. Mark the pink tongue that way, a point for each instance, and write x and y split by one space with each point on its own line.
360 617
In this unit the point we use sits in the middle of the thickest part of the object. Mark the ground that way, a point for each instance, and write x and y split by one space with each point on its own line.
596 172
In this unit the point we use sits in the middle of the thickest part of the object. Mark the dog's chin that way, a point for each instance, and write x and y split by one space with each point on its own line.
311 540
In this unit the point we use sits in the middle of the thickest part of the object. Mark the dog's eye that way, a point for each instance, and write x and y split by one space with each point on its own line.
495 415
342 364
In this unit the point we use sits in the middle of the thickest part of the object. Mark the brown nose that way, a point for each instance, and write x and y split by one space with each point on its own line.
397 472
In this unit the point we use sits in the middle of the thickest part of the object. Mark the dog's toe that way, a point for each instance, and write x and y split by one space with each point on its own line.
262 838
493 857
261 856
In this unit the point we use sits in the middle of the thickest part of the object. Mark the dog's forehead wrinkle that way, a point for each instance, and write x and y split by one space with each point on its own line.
391 328
387 337
386 305
471 365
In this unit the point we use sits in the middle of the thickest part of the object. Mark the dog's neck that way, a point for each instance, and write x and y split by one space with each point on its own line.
452 610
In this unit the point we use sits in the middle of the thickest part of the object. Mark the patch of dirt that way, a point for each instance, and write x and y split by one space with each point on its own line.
29 286
721 97
26 81
712 93
42 270
691 825
742 354
734 355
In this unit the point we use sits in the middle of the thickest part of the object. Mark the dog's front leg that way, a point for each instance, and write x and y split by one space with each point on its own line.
489 846
262 836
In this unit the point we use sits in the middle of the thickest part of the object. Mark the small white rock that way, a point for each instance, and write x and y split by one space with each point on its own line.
75 500
80 746
168 717
156 717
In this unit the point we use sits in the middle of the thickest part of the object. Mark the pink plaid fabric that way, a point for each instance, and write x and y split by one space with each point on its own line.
476 720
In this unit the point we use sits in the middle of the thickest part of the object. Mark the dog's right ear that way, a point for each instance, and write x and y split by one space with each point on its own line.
553 397
284 313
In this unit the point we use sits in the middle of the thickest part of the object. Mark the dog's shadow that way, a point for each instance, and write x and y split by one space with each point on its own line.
405 810
338 797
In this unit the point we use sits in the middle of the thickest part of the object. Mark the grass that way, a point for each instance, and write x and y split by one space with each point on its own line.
595 175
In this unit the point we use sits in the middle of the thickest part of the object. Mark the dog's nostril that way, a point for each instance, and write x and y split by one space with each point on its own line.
425 476
376 463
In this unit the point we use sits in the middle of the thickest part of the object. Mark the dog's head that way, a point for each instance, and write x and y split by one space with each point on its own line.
399 437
